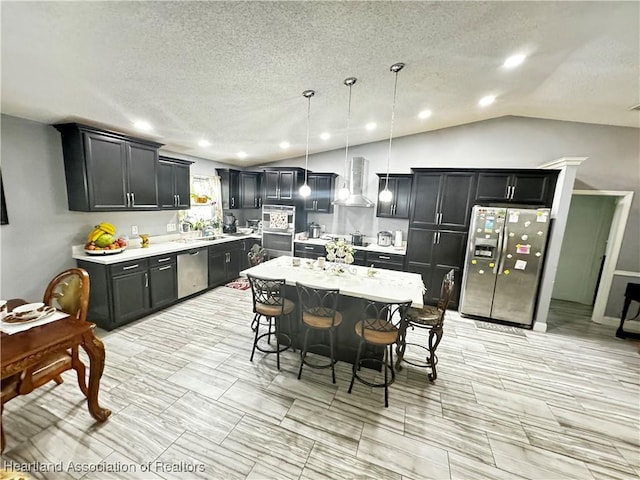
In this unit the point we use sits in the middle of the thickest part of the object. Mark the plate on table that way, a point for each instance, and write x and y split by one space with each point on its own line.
105 252
28 313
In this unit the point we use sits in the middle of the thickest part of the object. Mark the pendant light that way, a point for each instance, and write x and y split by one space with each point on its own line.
344 193
305 190
386 195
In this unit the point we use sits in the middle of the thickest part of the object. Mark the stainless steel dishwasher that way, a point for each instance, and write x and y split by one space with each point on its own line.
193 272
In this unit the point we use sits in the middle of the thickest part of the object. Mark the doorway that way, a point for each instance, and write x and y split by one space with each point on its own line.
590 249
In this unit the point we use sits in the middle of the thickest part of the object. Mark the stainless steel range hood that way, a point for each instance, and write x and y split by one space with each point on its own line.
357 175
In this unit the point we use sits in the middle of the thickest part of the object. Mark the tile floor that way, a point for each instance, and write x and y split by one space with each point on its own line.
556 405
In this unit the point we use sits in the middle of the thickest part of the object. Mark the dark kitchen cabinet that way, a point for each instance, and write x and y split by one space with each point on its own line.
130 283
321 198
281 184
307 250
108 171
400 186
174 189
225 262
442 199
230 183
533 187
163 277
432 253
250 196
389 261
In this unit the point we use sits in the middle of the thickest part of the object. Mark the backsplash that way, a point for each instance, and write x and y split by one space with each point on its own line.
347 220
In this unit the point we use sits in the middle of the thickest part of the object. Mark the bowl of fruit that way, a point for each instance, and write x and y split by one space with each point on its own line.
102 241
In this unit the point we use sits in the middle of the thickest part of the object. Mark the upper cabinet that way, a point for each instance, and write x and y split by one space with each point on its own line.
108 171
250 190
442 199
174 191
516 186
240 189
321 198
280 184
400 186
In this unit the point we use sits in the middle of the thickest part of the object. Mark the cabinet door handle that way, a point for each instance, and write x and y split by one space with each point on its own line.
308 248
161 260
513 191
383 257
146 280
438 242
133 199
509 188
128 199
166 267
178 202
130 267
435 234
233 201
194 253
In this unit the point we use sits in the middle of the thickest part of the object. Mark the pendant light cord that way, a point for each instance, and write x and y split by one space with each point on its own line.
346 151
308 94
393 115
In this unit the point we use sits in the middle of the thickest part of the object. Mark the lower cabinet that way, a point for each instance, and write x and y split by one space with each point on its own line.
389 261
432 253
225 262
306 250
123 292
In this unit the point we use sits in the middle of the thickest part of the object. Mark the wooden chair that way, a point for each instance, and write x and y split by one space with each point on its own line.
381 325
430 318
69 293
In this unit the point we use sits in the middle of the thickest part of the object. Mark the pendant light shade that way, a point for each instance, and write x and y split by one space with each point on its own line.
305 190
386 195
344 193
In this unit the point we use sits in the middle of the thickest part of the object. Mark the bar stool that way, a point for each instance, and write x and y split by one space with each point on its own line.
318 311
269 307
382 325
430 318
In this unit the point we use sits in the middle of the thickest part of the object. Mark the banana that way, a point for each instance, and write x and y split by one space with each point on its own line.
107 227
101 229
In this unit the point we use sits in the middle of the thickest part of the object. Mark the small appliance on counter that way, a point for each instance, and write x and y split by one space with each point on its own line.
314 230
397 242
229 223
385 238
357 239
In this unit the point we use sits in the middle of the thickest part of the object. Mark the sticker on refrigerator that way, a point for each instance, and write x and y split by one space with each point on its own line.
488 225
520 265
514 216
541 217
523 249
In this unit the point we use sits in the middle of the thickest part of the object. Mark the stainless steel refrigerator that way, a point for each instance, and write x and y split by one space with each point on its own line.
504 259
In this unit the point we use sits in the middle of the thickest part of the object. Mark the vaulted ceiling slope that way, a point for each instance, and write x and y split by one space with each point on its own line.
233 73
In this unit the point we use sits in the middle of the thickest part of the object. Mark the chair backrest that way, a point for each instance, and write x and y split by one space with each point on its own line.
446 290
69 292
383 317
267 291
318 302
256 255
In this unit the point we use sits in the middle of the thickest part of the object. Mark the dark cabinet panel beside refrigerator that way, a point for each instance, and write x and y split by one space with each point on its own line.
504 259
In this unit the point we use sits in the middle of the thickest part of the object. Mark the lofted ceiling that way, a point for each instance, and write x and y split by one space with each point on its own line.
234 72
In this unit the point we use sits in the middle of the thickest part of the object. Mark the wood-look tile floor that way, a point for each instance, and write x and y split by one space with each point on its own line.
555 405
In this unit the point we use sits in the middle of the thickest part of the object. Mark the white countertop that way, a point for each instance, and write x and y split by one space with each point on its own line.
385 286
372 247
155 248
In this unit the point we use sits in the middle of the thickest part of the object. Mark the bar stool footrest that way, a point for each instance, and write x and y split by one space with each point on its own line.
356 368
315 365
283 347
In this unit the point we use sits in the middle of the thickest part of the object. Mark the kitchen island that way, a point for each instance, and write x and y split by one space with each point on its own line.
355 286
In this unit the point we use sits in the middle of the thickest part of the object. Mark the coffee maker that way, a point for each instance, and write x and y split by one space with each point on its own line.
229 223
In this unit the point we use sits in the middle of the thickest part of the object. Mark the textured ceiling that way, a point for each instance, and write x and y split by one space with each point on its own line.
234 72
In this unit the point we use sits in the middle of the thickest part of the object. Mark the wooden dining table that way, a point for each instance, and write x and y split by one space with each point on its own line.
28 348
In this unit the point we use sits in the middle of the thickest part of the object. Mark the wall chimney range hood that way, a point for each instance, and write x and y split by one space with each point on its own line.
357 175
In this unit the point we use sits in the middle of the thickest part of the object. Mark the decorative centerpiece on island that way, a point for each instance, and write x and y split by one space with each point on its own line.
341 253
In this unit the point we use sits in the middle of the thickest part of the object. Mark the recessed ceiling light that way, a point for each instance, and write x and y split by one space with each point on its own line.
242 154
142 125
370 126
325 136
204 143
514 60
488 100
284 145
424 114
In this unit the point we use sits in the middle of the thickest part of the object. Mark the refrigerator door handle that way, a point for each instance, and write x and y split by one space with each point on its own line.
503 249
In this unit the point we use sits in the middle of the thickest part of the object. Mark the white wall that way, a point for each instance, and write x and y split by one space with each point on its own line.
37 242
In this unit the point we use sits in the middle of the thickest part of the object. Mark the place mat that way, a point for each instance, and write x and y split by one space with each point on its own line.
498 327
11 328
